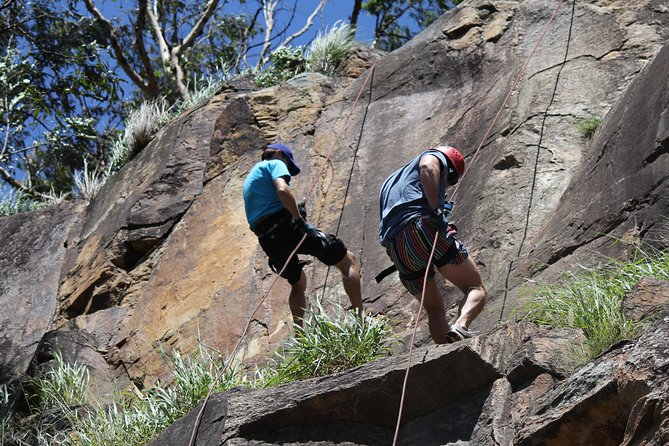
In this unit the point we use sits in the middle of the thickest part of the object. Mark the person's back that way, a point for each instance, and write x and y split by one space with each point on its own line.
402 197
260 195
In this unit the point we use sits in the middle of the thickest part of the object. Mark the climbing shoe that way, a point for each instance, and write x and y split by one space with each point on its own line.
458 333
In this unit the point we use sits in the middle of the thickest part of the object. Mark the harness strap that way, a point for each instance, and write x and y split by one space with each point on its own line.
271 223
385 273
452 251
406 276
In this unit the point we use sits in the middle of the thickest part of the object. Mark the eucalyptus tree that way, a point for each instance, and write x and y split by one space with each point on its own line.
59 101
71 70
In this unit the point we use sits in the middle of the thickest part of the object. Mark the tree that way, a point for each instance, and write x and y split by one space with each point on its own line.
174 40
58 98
389 33
353 18
64 62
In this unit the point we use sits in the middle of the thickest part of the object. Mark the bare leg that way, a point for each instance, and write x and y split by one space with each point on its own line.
436 312
467 278
297 300
351 280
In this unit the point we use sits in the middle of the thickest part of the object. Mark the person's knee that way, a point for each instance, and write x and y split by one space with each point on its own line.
348 265
301 284
478 292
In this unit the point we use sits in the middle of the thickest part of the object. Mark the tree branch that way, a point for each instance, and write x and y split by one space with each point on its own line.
118 50
244 45
268 7
152 13
353 19
197 29
9 179
307 25
141 47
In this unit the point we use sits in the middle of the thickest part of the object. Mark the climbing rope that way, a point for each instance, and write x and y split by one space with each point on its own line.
536 163
350 174
434 243
198 419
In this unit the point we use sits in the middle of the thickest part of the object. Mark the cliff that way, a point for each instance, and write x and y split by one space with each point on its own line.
162 258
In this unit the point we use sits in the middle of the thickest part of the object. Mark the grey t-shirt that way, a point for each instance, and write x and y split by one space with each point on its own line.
402 197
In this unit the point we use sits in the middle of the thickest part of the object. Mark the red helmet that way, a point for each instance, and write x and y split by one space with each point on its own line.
454 157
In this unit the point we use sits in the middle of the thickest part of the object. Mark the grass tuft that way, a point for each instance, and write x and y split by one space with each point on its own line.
587 127
88 182
327 50
591 300
14 201
140 126
326 345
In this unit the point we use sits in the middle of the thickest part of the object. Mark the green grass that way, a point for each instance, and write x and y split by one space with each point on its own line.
590 300
14 201
328 344
587 127
58 413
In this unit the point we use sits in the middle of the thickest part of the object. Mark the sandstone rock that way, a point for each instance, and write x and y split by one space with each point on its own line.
650 297
31 258
445 396
358 60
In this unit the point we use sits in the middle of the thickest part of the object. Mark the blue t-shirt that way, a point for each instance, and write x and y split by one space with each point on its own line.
402 198
260 196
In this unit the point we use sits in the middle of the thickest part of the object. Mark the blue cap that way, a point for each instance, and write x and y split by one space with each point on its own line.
293 168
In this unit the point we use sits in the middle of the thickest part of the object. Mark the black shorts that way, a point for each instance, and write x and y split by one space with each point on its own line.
278 236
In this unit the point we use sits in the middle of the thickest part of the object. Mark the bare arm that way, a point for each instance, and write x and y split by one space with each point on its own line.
430 170
287 198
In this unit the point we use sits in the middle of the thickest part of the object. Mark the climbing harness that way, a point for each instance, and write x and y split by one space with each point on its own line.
451 229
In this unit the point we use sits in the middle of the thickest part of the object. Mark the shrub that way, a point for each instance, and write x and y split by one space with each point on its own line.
323 55
286 62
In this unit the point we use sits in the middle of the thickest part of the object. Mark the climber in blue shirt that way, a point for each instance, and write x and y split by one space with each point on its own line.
275 217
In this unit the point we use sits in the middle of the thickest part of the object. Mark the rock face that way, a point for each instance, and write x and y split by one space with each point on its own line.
473 392
31 259
163 258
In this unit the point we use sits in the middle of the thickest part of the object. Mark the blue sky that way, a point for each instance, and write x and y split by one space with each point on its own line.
334 11
338 10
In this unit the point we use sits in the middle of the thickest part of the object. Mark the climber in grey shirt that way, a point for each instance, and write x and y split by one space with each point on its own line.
414 214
